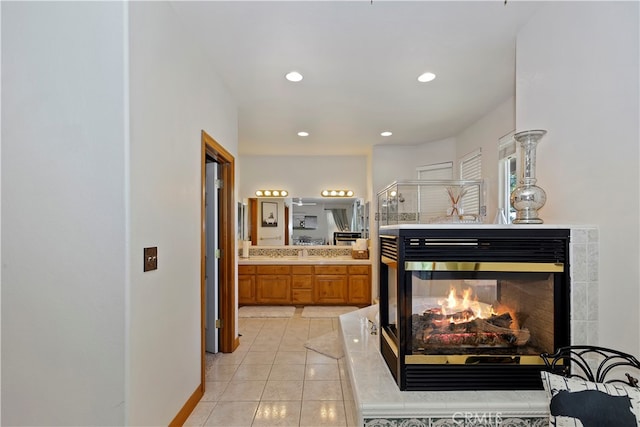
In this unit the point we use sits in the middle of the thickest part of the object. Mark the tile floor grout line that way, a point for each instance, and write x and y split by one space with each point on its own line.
290 333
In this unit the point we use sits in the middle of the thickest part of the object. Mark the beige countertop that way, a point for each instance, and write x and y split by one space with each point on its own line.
295 260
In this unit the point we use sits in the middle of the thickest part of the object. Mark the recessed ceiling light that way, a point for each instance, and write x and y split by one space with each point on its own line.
293 76
303 133
386 133
426 77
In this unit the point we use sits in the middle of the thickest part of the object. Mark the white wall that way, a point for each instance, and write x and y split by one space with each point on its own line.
484 134
396 163
577 77
174 95
302 176
63 213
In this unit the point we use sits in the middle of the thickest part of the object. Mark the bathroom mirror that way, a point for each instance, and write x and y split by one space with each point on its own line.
242 221
312 221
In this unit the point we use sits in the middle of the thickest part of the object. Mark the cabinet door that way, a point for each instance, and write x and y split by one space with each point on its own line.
359 289
330 289
273 289
246 289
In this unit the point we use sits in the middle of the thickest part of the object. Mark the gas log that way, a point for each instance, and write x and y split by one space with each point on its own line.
435 329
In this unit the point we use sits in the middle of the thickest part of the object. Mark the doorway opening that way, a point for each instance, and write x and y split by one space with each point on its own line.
212 255
212 152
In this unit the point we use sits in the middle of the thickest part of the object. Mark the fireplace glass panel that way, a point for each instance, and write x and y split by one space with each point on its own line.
499 315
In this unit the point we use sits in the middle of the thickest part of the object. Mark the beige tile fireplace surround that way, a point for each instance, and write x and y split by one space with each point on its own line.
379 402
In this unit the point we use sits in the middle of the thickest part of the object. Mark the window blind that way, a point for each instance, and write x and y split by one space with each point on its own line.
471 169
436 171
507 173
506 146
433 200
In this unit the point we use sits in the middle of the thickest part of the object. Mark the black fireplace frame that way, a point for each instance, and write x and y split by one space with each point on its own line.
400 245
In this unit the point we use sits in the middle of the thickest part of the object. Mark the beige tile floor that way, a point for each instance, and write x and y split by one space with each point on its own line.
273 380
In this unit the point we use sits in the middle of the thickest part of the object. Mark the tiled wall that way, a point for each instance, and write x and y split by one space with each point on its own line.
458 421
584 259
277 252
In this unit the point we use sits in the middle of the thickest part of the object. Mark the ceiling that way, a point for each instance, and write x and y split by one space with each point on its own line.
360 61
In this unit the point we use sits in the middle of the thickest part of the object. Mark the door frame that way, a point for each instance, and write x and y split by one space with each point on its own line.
227 274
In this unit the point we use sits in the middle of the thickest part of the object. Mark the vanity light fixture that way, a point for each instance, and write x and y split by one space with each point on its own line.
303 133
293 76
336 193
272 193
386 133
426 77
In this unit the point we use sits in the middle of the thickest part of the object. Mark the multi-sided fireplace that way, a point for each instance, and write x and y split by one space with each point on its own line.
472 308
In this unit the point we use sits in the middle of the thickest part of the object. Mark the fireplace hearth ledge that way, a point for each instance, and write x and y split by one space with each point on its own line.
378 401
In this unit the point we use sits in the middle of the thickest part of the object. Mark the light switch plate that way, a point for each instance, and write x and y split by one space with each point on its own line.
151 258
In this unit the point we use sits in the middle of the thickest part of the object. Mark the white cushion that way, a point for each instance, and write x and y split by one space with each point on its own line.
575 402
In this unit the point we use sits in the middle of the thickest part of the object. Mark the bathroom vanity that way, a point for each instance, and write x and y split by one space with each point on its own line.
328 278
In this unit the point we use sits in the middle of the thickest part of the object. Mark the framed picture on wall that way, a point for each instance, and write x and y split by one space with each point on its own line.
269 214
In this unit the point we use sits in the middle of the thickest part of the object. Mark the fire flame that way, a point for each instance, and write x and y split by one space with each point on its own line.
454 303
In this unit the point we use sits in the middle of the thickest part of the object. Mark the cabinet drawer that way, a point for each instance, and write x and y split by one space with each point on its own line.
301 281
301 269
273 269
246 269
301 296
358 269
331 269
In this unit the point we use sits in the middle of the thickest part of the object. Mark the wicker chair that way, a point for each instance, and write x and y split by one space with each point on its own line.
595 364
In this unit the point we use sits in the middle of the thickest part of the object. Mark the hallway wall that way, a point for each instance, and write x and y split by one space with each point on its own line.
63 213
174 95
103 104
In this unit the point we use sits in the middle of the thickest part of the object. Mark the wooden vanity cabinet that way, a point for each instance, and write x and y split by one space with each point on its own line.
303 284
